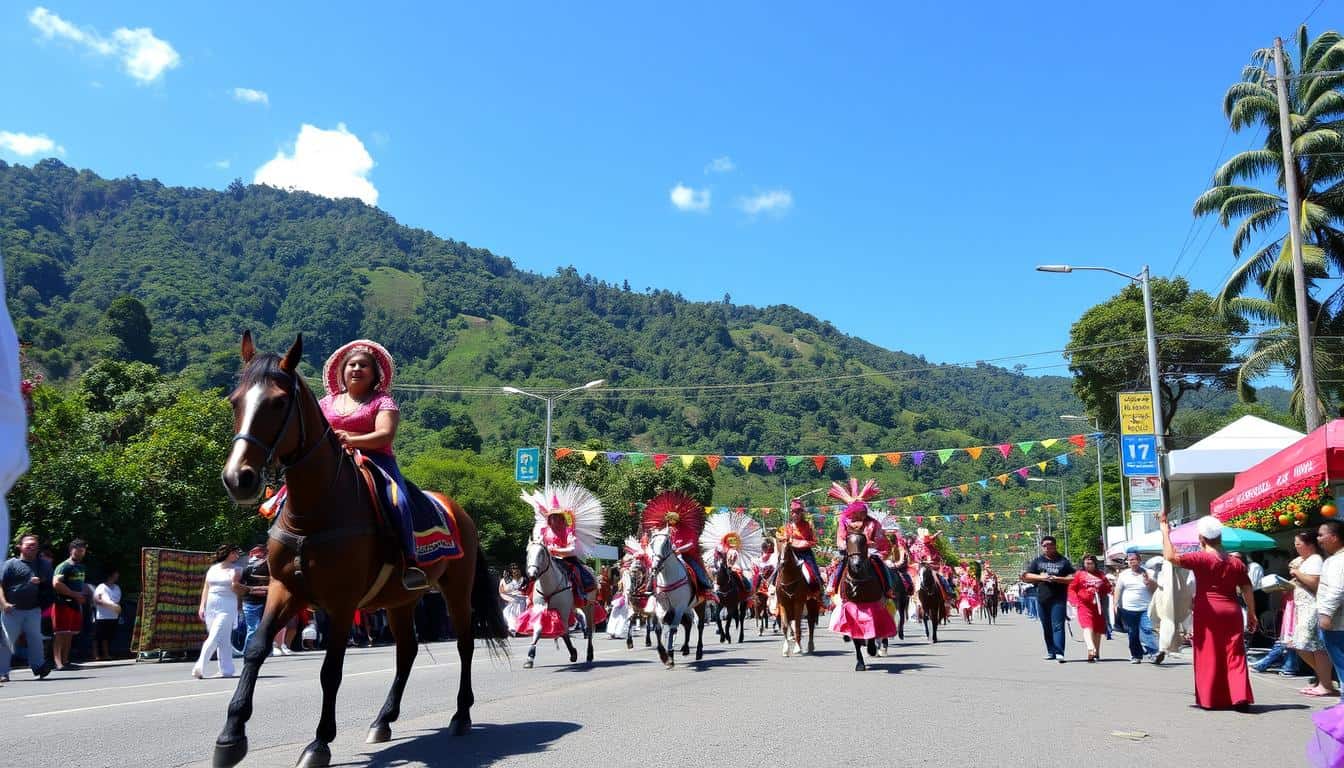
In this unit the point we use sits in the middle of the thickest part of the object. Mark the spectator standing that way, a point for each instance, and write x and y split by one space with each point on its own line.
1221 677
67 618
256 579
219 611
1134 588
1050 573
1306 639
25 585
1330 592
106 614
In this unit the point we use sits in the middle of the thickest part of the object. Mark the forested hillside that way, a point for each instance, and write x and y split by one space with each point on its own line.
207 264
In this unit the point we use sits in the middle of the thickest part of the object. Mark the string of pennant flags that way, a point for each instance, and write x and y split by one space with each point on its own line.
833 509
773 462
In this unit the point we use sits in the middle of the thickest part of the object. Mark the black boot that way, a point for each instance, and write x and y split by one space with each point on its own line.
413 579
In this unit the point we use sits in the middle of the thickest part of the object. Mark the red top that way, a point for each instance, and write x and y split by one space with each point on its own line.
362 420
559 544
801 532
1085 587
1215 577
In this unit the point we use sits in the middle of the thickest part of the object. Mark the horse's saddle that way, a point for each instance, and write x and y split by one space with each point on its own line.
433 526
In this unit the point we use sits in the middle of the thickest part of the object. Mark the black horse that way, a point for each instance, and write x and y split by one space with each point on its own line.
862 583
733 593
902 589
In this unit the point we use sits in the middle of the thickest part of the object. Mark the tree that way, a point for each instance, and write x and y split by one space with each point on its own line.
1316 103
128 322
1107 348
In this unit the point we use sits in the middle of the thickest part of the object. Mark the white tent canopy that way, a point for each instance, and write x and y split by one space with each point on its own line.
1232 449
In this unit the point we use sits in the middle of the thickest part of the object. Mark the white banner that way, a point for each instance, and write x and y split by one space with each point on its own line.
1145 494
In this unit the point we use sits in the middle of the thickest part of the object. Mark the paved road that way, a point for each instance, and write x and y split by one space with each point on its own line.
982 696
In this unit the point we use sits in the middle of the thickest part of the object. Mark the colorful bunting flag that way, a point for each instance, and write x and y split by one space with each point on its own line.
917 457
1005 449
687 460
1027 446
770 462
745 461
868 459
713 461
820 461
659 459
588 456
945 453
975 452
845 460
561 453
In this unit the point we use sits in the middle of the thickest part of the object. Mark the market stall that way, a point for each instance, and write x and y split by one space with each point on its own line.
1291 487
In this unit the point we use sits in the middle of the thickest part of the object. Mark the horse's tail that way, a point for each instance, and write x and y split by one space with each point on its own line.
487 616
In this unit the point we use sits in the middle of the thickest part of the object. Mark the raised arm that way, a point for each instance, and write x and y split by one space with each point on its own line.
1168 549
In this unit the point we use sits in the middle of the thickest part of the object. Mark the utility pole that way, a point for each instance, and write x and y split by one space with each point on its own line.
1306 363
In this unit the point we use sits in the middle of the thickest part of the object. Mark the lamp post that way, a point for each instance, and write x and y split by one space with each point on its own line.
1101 497
550 408
1144 281
1063 507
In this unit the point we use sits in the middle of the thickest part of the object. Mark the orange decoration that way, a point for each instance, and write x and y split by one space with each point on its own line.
1329 510
1284 519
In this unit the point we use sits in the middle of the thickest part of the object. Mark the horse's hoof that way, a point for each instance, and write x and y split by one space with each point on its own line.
699 655
379 734
527 664
315 755
629 645
573 656
860 667
882 652
460 725
229 755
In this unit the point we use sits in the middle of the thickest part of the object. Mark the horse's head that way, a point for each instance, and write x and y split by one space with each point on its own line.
856 551
660 549
268 421
537 559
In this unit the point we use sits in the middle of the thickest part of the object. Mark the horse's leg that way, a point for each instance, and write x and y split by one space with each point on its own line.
672 640
458 590
231 744
662 651
532 649
787 651
718 624
569 644
630 629
700 640
688 623
741 621
872 647
588 618
318 752
401 621
859 666
649 626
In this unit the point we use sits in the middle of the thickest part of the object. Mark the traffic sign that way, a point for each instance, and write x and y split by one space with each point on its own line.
1138 454
527 465
1136 413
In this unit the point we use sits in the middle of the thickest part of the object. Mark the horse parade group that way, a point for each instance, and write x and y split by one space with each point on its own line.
687 567
350 533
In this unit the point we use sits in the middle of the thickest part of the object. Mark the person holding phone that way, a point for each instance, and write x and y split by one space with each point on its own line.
1051 573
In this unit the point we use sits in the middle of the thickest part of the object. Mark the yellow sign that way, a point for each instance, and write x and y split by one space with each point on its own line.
1136 413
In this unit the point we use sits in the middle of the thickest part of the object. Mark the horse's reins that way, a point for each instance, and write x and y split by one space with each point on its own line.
547 597
280 461
657 567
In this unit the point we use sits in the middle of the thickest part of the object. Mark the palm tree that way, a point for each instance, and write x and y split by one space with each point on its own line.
1316 104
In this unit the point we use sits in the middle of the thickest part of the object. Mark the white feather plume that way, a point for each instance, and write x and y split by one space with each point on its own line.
749 532
584 509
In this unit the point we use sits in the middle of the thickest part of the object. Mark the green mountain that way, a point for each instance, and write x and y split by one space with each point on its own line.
207 264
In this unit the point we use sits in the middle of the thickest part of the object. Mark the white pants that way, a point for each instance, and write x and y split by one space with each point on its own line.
219 624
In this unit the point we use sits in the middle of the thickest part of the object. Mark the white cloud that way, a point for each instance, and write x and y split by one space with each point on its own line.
223 165
144 56
721 165
329 163
687 199
29 144
251 96
775 201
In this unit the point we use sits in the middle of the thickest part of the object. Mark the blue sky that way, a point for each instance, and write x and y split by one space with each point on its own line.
895 170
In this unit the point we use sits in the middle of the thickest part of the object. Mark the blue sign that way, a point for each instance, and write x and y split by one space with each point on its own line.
1138 455
527 465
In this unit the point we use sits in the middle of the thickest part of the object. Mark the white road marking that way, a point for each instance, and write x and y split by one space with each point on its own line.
193 695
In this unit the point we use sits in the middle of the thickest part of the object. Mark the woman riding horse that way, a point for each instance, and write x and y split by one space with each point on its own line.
675 511
364 416
801 537
855 519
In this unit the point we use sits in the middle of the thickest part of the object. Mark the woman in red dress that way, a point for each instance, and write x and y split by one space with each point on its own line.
1086 586
1221 678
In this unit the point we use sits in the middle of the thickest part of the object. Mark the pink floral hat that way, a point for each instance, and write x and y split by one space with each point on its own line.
331 370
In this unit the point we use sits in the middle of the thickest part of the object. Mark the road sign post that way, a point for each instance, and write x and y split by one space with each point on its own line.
527 465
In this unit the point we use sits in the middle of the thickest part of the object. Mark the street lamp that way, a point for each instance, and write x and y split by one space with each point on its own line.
1063 507
1144 281
550 407
1101 498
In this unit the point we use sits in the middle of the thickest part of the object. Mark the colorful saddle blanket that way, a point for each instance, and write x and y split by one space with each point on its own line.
432 523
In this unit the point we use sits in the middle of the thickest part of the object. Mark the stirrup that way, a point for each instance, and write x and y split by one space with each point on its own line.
413 579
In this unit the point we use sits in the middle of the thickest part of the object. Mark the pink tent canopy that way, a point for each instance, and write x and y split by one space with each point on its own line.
1310 461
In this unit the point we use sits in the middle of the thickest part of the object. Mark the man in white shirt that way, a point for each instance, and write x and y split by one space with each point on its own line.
1330 592
1134 588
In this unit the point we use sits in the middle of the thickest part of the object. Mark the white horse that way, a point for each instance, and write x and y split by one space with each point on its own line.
674 600
553 590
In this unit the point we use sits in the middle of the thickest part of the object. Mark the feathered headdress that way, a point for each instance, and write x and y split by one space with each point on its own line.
581 509
638 549
733 530
855 498
674 509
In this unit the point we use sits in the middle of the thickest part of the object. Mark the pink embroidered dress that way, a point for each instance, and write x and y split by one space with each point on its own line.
362 421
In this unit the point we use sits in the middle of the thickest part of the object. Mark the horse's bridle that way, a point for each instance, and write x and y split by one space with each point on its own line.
546 597
271 458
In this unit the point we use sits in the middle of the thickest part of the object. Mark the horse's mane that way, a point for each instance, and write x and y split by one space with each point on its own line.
264 367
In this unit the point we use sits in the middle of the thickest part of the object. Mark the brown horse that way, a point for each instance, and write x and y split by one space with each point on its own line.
328 549
795 598
932 606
